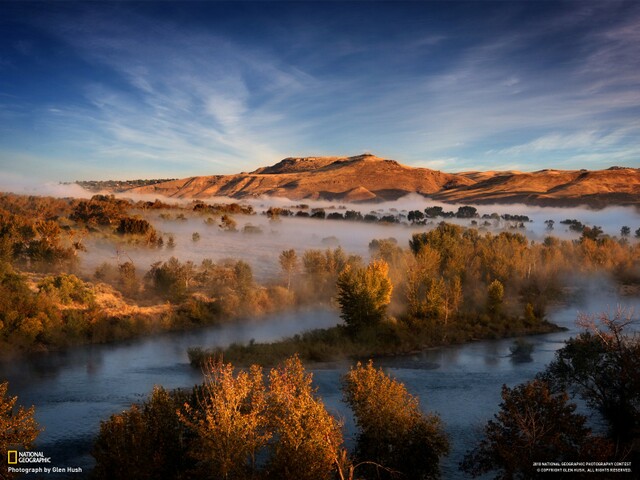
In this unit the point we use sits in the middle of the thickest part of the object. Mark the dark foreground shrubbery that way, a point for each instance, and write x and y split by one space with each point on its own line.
238 426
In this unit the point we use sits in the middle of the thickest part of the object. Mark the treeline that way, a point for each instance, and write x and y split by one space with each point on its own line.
415 217
238 426
118 185
451 285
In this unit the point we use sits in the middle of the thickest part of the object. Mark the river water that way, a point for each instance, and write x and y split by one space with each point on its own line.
74 390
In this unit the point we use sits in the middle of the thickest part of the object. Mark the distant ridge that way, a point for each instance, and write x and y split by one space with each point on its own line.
367 178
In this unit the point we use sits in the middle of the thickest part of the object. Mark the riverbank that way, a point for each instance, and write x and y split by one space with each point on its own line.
388 339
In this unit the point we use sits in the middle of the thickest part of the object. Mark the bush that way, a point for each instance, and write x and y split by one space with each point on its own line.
67 288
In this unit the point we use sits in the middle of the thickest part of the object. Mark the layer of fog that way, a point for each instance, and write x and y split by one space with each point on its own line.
261 250
14 183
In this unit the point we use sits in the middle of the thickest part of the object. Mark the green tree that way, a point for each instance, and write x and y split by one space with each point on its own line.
67 288
172 279
533 425
393 431
467 212
364 294
601 365
128 279
18 428
625 231
495 296
591 233
433 212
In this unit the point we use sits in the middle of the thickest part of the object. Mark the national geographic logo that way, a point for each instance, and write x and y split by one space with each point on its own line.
15 457
36 463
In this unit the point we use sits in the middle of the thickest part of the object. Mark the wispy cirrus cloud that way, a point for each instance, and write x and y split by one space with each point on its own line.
219 88
185 98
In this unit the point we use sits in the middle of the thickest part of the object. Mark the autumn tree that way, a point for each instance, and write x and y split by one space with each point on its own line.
307 439
393 431
364 294
227 223
18 428
533 425
229 422
288 263
321 269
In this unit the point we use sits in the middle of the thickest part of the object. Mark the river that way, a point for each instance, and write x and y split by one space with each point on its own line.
74 390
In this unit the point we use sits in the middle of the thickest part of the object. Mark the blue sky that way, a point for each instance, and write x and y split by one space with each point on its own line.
160 89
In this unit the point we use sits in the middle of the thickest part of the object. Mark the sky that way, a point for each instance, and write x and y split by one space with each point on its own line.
120 90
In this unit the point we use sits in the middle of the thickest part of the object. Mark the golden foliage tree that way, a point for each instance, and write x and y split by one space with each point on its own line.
308 439
229 422
18 428
288 263
394 432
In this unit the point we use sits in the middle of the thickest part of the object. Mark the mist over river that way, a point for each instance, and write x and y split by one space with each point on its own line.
72 391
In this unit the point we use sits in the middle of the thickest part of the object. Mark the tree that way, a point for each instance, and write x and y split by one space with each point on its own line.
128 278
393 431
308 440
145 442
638 233
364 294
172 279
625 231
467 212
549 224
495 294
229 422
533 425
134 226
227 223
288 263
601 365
415 216
18 428
592 233
433 212
353 215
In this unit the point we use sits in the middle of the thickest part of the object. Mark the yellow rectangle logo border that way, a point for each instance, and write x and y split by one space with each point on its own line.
14 454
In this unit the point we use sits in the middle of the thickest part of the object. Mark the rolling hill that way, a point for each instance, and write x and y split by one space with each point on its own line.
367 178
